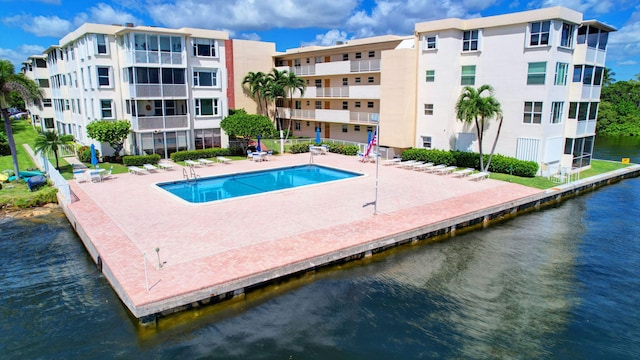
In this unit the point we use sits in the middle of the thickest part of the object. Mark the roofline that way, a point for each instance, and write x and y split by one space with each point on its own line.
600 25
348 44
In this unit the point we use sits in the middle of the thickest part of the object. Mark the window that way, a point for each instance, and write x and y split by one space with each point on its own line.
556 112
318 104
357 104
101 44
540 33
468 76
66 104
296 125
48 123
566 39
206 107
43 83
562 70
470 40
345 81
532 112
593 37
345 57
587 76
103 76
597 76
358 55
205 77
297 63
105 108
593 110
426 142
298 105
428 109
536 73
358 80
430 42
318 83
577 73
204 47
430 76
46 102
370 79
345 105
372 54
356 127
172 76
581 149
370 104
345 128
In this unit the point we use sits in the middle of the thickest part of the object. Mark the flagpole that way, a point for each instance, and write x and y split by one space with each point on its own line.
375 201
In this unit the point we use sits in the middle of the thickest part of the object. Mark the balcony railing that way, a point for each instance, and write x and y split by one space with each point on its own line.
160 122
365 65
342 91
303 70
363 117
157 90
303 114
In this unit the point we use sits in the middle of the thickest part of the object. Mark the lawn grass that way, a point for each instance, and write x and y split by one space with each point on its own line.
23 133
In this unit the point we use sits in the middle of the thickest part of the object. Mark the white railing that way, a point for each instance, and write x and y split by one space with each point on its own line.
303 114
58 181
342 91
365 65
303 70
159 122
363 117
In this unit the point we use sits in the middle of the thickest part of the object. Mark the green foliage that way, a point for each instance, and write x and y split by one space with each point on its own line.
3 137
5 149
499 163
300 147
113 133
241 124
136 160
84 154
350 150
50 141
20 197
204 154
619 111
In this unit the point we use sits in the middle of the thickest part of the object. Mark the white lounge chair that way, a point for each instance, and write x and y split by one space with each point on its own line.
434 169
165 166
223 159
136 170
479 176
446 170
206 162
394 161
422 167
149 167
406 163
191 163
462 173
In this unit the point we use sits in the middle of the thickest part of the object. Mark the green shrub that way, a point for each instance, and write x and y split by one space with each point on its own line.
136 160
4 149
350 150
508 165
201 154
84 153
300 147
426 155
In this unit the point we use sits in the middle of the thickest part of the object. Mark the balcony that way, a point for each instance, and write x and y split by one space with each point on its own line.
341 92
363 118
352 92
157 90
365 65
335 67
160 122
303 70
331 116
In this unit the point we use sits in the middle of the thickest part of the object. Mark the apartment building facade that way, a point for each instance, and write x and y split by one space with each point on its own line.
35 68
169 83
546 67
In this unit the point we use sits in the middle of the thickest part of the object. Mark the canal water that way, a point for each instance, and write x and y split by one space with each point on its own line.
561 283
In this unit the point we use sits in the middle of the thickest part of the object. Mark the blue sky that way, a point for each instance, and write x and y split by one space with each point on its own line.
28 27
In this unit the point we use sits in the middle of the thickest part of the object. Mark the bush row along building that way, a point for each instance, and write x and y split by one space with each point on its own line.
176 85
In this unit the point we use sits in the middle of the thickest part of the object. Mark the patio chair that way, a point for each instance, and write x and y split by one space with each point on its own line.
462 173
165 166
446 170
479 176
223 159
108 174
422 167
191 163
149 167
394 161
205 162
136 170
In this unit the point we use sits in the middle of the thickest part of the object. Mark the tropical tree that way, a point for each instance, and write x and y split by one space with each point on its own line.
607 77
50 141
254 83
274 90
291 82
474 107
243 125
113 133
12 83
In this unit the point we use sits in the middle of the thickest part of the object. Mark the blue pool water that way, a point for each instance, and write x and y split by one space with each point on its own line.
231 186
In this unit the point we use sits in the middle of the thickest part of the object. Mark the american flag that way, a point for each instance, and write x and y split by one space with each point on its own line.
372 143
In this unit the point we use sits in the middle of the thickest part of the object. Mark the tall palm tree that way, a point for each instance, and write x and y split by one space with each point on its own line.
608 77
50 141
254 83
273 90
12 83
474 107
291 82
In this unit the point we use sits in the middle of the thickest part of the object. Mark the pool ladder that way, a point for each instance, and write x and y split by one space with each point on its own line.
191 175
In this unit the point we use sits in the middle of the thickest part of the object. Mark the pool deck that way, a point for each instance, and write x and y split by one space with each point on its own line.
214 248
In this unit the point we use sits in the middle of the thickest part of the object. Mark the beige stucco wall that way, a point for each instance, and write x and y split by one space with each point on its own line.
398 98
249 56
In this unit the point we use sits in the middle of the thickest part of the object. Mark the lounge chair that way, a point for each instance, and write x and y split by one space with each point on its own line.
108 174
446 170
422 167
249 155
479 176
191 163
149 167
434 169
206 162
223 159
165 166
407 163
394 161
80 176
462 173
136 170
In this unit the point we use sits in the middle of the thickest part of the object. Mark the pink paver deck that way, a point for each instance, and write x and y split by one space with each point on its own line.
212 248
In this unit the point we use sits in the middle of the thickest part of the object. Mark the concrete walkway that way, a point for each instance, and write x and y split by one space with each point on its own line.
212 248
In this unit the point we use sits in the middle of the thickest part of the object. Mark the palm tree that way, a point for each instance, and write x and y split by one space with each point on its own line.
273 91
291 82
607 78
472 106
254 83
12 83
50 141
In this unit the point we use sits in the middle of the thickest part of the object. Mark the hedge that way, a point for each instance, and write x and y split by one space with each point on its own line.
4 149
202 154
350 150
136 160
499 163
84 153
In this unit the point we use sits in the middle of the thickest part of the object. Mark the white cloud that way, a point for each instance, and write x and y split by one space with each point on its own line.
105 14
329 38
251 36
251 14
20 54
39 25
595 6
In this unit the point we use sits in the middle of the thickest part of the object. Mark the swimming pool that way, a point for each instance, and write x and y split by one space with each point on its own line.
250 183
